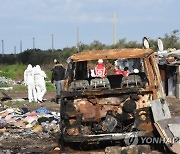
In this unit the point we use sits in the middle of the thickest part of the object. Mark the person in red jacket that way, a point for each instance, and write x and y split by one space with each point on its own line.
117 71
126 72
100 70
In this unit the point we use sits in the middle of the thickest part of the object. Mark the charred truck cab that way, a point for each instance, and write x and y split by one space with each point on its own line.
106 109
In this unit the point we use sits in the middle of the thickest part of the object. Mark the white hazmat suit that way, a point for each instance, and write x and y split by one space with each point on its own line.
29 81
40 84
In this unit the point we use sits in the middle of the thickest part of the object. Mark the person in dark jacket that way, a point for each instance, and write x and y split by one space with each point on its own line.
58 74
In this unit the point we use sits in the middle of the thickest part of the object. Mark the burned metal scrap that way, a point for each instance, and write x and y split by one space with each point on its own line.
95 109
168 57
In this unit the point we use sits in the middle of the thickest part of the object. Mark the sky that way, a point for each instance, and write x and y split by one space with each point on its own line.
23 20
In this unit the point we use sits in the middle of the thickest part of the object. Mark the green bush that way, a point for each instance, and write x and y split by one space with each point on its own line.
15 72
50 86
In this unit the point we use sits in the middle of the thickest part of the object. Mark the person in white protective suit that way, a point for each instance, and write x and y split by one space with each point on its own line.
40 84
29 81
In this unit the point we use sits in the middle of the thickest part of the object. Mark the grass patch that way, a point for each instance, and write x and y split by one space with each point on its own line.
4 85
21 104
50 86
16 87
49 74
19 88
22 88
15 72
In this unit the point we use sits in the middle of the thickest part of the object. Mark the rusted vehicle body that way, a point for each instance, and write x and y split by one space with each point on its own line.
107 109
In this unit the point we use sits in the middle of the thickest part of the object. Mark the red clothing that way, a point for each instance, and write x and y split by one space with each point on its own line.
118 72
100 70
126 73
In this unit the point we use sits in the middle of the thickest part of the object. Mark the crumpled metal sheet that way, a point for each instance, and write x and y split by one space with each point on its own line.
160 110
174 128
169 134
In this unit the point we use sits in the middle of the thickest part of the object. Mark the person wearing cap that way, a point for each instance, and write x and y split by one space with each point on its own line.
58 74
100 70
29 81
55 61
136 71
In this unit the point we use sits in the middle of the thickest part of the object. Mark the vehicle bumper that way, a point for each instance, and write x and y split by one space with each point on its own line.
105 137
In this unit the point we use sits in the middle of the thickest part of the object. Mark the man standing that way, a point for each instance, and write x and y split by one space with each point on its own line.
100 69
29 81
40 84
58 74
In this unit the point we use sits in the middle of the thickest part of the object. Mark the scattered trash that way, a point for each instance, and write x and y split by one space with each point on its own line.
39 120
42 110
6 88
6 80
37 128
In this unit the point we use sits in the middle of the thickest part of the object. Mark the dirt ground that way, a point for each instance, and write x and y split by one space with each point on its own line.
16 141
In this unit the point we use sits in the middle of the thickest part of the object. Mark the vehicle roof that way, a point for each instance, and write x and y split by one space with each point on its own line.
111 54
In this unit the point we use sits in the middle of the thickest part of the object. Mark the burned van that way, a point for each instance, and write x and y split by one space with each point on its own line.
95 109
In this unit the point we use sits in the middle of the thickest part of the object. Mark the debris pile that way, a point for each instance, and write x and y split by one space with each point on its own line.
34 131
38 120
169 57
4 80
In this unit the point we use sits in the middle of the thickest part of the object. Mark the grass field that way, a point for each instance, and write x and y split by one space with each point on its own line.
21 104
16 72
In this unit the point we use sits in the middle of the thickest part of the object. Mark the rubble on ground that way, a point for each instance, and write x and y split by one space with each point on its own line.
4 80
21 124
38 120
6 88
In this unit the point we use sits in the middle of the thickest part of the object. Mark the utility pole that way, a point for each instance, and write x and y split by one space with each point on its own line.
20 46
52 43
3 48
33 43
114 28
78 38
15 50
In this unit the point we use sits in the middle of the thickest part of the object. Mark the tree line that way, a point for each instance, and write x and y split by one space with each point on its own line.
38 56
